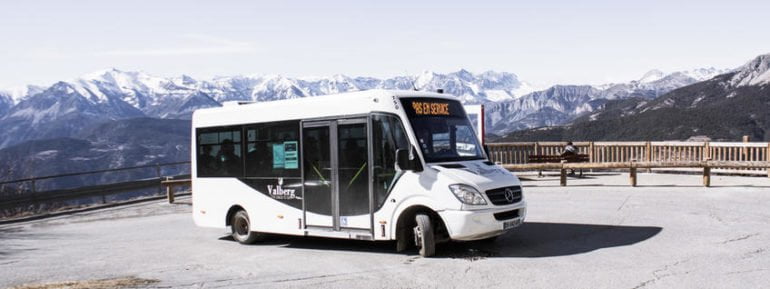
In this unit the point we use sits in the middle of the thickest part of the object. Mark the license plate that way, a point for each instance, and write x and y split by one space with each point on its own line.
511 224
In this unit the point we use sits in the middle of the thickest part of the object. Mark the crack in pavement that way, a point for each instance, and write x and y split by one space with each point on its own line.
645 283
752 253
747 271
658 271
744 237
322 276
624 202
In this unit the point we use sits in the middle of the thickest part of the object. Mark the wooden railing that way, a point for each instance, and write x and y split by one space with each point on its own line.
621 152
632 166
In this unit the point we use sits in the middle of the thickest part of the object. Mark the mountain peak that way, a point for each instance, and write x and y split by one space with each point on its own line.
188 80
755 72
464 74
651 76
103 74
17 93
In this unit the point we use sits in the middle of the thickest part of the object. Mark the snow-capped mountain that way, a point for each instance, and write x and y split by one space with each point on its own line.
17 93
151 94
755 72
60 111
655 82
116 118
6 102
34 113
67 106
561 104
553 106
724 107
11 96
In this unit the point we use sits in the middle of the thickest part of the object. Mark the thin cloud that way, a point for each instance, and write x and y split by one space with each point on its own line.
207 45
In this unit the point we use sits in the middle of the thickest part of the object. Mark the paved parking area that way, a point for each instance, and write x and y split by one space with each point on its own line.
670 232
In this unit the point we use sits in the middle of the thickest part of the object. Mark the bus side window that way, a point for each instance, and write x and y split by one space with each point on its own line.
272 150
388 136
219 153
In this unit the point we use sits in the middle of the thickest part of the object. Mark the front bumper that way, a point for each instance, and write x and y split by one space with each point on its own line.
481 224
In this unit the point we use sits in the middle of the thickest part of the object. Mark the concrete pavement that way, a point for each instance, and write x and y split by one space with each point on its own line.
670 232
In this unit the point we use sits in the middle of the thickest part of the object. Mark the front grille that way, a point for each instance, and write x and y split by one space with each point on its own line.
507 215
497 196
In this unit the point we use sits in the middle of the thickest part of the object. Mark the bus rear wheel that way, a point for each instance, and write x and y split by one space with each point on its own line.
424 236
241 228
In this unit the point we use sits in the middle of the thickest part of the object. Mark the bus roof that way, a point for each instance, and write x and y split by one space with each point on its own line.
352 103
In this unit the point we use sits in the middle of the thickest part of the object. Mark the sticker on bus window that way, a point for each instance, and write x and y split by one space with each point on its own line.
278 156
290 155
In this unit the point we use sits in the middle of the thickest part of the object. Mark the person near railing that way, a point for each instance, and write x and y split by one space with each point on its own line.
569 151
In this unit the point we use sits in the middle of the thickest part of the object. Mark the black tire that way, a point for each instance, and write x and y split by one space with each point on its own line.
424 235
241 228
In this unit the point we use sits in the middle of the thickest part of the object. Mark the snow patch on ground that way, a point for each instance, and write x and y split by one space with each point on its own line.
44 155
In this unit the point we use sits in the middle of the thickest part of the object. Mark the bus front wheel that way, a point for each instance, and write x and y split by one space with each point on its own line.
424 236
241 228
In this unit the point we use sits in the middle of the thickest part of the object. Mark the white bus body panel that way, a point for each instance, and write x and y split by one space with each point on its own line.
430 188
214 196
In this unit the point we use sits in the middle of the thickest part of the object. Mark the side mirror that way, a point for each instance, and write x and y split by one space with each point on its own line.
405 163
402 160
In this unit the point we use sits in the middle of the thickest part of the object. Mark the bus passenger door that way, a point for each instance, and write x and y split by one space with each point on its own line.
353 171
317 171
336 174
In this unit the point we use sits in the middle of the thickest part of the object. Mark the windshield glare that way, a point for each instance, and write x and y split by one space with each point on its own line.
443 131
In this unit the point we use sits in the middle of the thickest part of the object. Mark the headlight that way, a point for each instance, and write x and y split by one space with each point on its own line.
467 195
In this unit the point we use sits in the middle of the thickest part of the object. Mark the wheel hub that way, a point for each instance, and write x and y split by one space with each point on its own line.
417 236
242 227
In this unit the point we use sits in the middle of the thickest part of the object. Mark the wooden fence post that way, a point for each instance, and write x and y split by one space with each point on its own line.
706 176
767 158
169 191
170 194
632 173
590 152
745 150
648 154
563 175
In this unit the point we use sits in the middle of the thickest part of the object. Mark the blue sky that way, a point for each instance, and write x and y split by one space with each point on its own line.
544 42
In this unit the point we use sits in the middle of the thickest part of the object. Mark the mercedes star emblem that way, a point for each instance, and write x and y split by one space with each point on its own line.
509 195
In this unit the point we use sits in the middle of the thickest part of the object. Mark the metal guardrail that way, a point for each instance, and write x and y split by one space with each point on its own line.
31 201
171 183
33 180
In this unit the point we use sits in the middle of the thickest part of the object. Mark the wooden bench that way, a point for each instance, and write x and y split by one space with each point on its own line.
576 158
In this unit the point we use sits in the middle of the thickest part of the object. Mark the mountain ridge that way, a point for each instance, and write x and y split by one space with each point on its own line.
725 107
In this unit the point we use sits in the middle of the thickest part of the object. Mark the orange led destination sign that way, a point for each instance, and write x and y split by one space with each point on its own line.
430 108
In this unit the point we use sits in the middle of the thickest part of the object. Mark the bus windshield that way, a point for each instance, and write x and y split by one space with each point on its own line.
443 130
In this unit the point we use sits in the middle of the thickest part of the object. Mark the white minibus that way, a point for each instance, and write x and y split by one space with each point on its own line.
371 165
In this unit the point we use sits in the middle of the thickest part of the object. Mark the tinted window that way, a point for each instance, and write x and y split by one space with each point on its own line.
272 150
387 136
443 131
353 176
220 152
